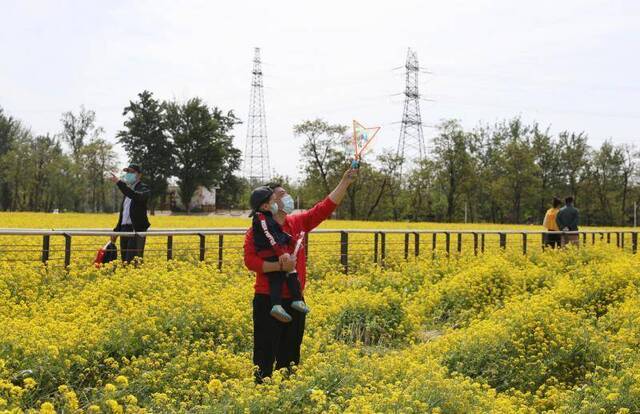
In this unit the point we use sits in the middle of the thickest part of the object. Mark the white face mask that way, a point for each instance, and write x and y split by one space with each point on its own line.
274 208
287 204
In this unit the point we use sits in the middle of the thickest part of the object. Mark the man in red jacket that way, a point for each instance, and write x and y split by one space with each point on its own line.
275 341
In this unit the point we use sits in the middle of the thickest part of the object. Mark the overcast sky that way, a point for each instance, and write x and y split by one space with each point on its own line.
569 64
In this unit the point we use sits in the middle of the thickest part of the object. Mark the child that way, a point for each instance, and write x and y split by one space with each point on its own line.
272 244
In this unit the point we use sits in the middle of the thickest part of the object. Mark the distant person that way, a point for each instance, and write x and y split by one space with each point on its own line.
133 212
552 240
568 219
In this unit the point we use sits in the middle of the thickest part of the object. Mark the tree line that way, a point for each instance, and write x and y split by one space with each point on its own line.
507 172
188 141
502 173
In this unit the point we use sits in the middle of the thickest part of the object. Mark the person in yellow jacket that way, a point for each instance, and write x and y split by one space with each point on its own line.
549 223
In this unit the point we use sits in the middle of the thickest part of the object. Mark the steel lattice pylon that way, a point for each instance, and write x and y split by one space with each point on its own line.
411 146
256 153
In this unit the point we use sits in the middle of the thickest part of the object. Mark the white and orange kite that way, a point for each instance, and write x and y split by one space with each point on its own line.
362 140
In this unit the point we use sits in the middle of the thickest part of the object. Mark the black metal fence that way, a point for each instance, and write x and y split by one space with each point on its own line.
344 247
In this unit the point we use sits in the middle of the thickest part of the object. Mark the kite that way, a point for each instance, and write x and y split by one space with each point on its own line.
362 139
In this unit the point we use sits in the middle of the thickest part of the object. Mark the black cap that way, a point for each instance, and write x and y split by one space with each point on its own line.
133 168
259 196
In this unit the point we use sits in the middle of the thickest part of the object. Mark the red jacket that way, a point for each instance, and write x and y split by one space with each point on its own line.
293 224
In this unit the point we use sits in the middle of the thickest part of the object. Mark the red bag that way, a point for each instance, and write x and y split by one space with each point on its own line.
105 254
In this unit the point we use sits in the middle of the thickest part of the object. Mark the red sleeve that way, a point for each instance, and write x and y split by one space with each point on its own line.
251 259
272 241
317 214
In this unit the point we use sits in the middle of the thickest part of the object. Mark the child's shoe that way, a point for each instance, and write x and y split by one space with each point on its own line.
300 306
278 312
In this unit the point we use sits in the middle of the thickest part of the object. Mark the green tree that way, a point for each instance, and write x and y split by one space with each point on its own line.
323 152
147 143
605 179
547 157
97 157
78 130
574 152
453 162
11 133
202 145
517 166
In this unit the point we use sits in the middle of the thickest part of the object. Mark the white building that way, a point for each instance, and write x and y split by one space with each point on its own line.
203 199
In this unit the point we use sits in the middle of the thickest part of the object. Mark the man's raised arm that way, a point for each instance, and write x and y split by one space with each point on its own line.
322 210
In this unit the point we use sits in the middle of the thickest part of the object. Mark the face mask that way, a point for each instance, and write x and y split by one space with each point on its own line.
274 208
129 178
287 204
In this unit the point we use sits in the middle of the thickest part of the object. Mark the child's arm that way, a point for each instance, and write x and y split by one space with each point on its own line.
280 250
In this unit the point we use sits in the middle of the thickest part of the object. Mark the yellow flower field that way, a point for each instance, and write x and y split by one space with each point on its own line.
502 332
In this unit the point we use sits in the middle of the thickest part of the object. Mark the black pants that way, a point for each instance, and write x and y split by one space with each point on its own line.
552 240
276 280
131 247
275 341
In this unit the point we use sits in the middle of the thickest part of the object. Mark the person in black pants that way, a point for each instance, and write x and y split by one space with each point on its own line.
275 341
133 212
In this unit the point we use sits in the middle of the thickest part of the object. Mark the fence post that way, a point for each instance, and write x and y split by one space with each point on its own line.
169 247
617 239
406 246
344 250
67 250
448 241
375 247
459 242
593 239
622 241
416 243
45 248
220 250
434 243
383 247
202 246
503 241
608 237
634 242
584 239
524 243
475 244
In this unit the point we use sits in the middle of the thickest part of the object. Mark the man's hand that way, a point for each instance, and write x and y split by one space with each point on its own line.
289 265
347 179
113 178
350 175
285 257
113 239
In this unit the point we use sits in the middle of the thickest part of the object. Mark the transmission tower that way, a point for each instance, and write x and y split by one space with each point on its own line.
256 153
411 141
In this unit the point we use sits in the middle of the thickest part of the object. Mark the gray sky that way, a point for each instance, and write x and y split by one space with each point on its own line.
569 64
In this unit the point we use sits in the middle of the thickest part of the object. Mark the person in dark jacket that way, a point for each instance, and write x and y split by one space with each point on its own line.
568 219
133 212
274 245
